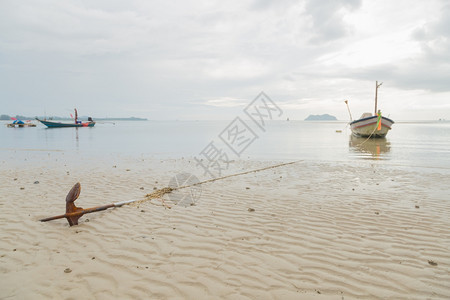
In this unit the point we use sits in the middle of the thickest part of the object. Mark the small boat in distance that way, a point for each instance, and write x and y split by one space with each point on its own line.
20 124
53 124
371 126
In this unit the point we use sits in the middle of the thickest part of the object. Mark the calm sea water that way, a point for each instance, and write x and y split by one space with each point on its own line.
417 145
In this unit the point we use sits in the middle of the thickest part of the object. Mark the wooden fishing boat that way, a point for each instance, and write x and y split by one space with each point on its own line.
371 126
15 125
52 124
20 124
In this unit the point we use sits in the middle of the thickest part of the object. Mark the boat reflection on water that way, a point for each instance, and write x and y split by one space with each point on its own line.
364 148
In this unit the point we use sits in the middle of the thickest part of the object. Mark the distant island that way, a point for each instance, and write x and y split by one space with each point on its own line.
325 117
7 117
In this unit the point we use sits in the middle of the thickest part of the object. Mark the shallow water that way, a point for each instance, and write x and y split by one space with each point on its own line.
412 144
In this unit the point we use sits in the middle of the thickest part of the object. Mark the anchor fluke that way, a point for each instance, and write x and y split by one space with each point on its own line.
73 213
71 207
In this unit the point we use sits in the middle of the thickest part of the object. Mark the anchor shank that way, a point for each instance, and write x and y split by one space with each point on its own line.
53 218
73 213
97 208
79 213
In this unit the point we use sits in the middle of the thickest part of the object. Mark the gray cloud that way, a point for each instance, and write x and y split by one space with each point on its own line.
327 18
111 57
430 70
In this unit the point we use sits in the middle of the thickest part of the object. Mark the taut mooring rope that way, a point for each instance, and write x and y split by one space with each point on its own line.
161 192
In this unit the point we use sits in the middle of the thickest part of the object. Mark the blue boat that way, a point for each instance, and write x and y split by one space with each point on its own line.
52 124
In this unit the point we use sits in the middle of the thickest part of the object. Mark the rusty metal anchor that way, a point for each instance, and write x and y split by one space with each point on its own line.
73 213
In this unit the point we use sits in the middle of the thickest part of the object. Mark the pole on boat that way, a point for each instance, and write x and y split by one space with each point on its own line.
376 95
346 103
73 213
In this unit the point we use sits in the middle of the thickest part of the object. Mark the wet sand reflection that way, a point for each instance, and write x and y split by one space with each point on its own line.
364 148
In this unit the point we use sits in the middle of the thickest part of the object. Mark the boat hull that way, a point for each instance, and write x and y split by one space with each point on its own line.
17 125
367 127
51 124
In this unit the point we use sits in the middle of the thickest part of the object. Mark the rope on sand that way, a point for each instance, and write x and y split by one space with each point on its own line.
74 213
161 192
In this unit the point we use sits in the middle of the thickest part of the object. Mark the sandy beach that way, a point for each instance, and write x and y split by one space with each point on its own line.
308 230
225 150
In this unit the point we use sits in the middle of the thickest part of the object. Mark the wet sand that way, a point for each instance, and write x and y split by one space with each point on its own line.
308 230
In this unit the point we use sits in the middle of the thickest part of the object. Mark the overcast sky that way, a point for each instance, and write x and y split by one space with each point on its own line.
192 60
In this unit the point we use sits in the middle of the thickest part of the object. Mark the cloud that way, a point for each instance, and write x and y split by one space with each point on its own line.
413 56
426 69
225 102
327 22
153 57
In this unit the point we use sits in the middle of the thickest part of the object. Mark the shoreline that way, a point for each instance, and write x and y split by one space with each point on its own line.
305 230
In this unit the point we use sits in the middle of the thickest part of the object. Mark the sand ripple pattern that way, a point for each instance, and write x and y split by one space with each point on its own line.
307 230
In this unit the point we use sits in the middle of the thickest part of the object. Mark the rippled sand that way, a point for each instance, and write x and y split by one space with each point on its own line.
305 230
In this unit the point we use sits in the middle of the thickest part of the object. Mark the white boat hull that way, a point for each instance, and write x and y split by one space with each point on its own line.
367 127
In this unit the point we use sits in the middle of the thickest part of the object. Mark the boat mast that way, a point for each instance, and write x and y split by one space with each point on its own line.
376 95
346 103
